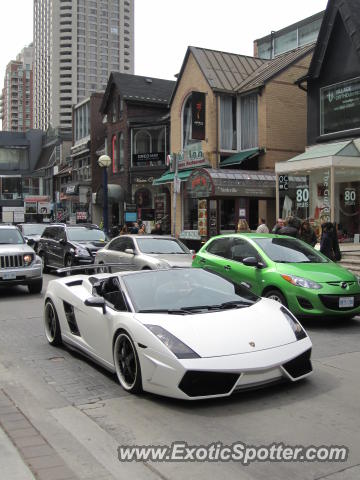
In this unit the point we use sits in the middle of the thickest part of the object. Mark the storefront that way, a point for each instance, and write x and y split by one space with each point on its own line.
323 184
214 200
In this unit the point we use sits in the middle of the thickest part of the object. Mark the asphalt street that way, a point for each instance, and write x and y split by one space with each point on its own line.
81 415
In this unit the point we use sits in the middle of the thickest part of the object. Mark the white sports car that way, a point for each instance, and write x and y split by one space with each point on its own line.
184 333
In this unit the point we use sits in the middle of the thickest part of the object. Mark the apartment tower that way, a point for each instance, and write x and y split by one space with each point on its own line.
16 106
77 44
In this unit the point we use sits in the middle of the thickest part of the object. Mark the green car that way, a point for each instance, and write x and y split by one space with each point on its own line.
284 269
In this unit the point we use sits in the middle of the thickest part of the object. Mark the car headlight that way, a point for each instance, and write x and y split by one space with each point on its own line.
81 252
301 282
176 346
27 260
294 324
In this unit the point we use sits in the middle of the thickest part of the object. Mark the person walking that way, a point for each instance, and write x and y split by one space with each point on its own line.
262 228
279 224
242 226
307 234
329 244
157 230
291 227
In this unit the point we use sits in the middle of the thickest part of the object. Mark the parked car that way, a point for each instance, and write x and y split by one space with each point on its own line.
32 233
19 264
145 252
64 245
184 333
284 269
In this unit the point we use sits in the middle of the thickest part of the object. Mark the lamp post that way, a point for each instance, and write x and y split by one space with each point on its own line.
104 162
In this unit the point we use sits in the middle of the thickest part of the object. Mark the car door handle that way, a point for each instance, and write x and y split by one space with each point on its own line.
227 268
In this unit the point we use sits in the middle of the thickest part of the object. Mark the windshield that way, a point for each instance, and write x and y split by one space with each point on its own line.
10 236
185 288
33 229
80 234
161 245
289 250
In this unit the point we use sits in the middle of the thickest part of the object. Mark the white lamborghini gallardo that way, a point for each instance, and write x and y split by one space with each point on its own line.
183 333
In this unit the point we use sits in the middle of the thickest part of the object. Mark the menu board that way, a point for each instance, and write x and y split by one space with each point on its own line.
202 218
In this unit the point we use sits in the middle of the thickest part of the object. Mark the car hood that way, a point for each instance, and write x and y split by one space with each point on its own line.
174 260
318 272
16 249
229 332
95 245
35 237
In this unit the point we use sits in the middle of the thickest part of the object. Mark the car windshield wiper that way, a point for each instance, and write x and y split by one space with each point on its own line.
236 304
174 311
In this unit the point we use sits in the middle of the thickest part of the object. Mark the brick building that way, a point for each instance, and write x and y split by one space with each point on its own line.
137 140
253 116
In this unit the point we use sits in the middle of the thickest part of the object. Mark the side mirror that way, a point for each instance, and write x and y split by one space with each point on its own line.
30 242
96 302
250 262
130 251
62 241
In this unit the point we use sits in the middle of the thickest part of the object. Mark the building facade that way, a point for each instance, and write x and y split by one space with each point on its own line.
17 95
232 118
77 43
323 183
137 140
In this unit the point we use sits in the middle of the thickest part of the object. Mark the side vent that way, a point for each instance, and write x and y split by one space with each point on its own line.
70 317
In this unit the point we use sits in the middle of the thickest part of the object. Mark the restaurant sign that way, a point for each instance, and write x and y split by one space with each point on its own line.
199 185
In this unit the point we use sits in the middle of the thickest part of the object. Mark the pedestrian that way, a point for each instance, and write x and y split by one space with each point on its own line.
124 230
135 228
157 230
329 244
307 233
279 224
291 227
262 228
142 230
242 226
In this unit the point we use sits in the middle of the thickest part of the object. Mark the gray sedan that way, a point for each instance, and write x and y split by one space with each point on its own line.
145 252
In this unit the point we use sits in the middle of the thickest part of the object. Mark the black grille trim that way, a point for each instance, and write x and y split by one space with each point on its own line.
299 366
305 303
332 302
71 319
200 384
11 261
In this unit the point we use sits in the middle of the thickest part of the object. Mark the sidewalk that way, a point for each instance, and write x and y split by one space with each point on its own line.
12 465
24 452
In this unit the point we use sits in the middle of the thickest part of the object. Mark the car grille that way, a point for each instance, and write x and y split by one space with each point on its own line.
200 384
11 261
300 365
338 284
332 302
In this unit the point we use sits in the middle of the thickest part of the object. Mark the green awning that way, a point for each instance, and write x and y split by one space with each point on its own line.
238 158
168 177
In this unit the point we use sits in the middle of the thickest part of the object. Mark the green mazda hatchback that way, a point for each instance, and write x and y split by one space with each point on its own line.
284 269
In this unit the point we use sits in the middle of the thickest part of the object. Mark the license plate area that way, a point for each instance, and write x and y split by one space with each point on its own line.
9 276
346 302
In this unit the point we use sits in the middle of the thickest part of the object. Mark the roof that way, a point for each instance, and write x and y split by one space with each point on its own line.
45 156
273 68
345 149
138 88
231 72
13 139
240 157
350 14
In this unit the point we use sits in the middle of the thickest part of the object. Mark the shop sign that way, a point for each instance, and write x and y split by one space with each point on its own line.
189 158
283 182
190 235
30 207
200 185
71 190
302 197
350 197
44 208
81 215
340 106
144 159
198 115
142 179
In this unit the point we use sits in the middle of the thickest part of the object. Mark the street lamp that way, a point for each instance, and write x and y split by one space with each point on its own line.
104 162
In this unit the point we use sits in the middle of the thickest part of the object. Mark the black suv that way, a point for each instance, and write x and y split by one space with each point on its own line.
66 245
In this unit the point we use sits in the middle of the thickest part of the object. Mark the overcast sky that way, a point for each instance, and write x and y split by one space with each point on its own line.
164 28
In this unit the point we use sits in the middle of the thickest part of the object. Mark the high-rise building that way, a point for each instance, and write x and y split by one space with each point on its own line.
77 44
16 107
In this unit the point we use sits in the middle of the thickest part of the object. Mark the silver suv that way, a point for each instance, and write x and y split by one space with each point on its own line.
19 265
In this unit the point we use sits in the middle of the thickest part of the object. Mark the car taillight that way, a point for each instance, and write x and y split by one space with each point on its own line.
194 256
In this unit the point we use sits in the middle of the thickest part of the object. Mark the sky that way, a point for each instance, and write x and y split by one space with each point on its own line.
165 28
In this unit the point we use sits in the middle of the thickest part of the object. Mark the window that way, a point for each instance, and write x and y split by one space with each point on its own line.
142 142
238 122
241 249
285 42
220 247
187 123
